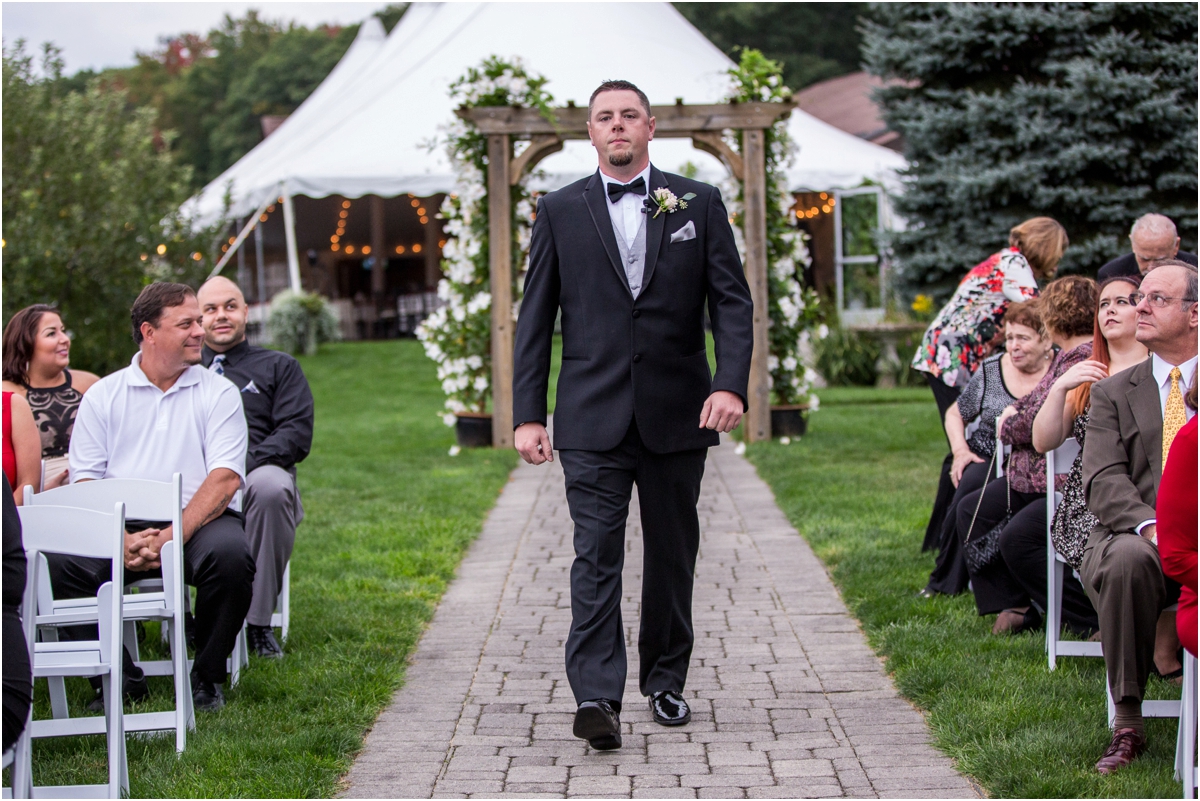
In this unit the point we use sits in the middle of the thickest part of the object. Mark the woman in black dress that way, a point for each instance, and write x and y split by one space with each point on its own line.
999 382
37 351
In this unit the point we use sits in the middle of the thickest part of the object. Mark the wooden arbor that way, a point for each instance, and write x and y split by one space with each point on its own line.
703 124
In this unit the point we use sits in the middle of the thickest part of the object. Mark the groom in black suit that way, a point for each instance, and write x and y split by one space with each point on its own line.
631 257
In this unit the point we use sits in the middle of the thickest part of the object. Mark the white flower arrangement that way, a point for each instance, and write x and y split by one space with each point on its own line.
458 335
795 312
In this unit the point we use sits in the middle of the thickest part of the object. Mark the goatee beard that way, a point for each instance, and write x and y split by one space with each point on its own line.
621 159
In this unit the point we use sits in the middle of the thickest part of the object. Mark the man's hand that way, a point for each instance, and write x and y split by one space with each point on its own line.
722 412
151 552
1150 532
136 544
533 443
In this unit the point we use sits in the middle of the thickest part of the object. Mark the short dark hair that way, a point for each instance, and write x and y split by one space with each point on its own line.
148 308
19 336
619 86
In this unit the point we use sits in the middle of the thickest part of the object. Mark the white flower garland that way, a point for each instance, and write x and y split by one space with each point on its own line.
457 336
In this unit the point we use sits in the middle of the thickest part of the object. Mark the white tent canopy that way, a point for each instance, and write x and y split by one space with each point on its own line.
366 128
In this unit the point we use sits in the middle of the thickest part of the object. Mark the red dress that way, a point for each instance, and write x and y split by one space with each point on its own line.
1176 514
10 456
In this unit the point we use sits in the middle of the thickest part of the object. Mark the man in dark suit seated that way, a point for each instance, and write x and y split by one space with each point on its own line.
1153 238
1135 415
279 416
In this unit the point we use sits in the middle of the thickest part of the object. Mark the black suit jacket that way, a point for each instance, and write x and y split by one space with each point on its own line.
623 358
1127 265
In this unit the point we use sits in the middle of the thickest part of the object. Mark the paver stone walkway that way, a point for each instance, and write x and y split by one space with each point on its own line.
788 701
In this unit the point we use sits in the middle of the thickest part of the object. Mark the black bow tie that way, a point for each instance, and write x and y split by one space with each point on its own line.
615 190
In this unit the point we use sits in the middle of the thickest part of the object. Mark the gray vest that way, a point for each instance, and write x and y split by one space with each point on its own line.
634 258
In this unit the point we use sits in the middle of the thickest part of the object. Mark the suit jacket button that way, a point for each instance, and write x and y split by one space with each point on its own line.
637 357
637 313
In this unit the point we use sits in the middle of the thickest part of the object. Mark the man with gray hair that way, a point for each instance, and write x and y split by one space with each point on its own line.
1153 238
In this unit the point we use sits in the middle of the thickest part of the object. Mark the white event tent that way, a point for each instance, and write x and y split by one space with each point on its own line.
366 129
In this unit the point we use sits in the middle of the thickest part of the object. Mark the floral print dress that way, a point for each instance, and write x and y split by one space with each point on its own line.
955 342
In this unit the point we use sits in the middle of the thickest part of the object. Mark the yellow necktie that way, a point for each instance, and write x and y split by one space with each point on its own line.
1174 415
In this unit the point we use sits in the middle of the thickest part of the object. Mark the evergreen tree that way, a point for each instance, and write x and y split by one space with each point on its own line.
1082 112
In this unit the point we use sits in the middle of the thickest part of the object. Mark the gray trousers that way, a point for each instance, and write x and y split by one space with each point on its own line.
1123 577
273 510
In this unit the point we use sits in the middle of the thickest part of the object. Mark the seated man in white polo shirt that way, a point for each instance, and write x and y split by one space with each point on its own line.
166 414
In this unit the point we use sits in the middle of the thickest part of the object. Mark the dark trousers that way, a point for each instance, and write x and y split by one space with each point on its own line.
18 684
216 561
944 397
1018 578
599 487
949 576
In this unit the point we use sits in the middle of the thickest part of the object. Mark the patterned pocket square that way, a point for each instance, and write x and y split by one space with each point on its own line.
685 233
253 390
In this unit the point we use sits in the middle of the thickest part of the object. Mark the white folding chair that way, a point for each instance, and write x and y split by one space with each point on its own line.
1059 462
94 534
163 600
282 615
1185 743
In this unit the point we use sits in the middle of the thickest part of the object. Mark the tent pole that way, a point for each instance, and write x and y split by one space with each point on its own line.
378 252
241 237
241 264
289 227
259 267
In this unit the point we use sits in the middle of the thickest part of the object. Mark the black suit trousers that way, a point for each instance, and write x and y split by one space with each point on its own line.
216 561
599 487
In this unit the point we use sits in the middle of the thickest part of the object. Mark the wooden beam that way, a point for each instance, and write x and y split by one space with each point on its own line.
500 263
711 142
671 121
758 416
540 146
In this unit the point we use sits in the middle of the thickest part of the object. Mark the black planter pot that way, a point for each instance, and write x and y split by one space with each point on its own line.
789 421
473 430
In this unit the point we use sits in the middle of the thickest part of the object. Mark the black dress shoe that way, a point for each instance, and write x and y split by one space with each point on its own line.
261 640
599 724
206 696
135 689
669 708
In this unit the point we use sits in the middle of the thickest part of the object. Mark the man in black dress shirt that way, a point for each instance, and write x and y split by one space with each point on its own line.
1153 238
279 415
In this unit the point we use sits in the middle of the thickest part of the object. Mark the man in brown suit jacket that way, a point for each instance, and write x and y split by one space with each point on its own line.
1122 465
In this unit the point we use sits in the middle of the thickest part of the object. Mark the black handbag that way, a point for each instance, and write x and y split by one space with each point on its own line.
985 550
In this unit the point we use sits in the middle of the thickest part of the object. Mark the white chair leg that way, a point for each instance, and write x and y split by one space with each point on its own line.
184 716
56 685
22 767
285 598
1185 746
1112 707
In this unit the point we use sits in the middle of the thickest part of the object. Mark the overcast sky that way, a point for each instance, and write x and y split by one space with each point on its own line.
99 35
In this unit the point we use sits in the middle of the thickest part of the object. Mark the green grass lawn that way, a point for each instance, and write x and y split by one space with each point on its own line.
859 487
389 515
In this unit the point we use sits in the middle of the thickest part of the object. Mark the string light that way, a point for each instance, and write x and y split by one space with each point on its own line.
366 250
349 250
415 203
441 243
416 248
421 211
335 247
399 250
144 257
424 220
161 249
345 204
196 256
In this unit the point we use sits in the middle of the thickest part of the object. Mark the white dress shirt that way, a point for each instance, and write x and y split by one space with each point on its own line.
626 213
1162 376
129 428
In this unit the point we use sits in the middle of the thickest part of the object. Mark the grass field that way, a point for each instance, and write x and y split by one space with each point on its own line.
859 487
389 515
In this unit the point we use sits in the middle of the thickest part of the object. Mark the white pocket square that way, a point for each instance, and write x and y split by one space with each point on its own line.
685 233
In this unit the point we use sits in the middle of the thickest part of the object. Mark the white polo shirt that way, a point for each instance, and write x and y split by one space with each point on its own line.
128 428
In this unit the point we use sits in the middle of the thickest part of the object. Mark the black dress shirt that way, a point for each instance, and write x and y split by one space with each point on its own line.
277 401
1127 265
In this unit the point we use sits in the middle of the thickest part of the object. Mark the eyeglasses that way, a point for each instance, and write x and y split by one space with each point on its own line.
1156 300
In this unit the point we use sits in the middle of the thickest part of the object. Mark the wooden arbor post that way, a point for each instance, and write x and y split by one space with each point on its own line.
704 125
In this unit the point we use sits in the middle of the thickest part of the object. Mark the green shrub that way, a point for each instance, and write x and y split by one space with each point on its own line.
846 358
299 321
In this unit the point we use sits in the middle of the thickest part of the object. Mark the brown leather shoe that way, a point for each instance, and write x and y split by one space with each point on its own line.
1126 746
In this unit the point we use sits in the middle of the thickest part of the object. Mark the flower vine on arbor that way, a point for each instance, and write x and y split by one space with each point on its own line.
794 310
458 335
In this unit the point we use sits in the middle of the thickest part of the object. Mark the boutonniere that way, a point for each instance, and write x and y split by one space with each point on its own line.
664 199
